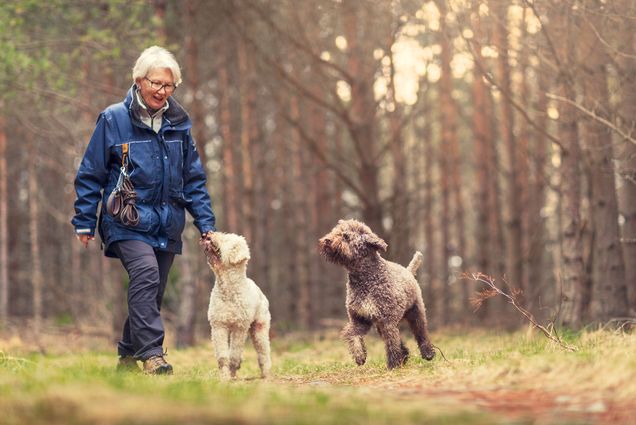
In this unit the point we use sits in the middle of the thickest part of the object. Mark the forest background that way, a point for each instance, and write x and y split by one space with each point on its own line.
494 136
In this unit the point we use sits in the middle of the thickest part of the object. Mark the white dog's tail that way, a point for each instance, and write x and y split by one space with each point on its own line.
415 263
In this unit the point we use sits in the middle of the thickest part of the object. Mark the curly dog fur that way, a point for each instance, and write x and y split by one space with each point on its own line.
379 292
237 306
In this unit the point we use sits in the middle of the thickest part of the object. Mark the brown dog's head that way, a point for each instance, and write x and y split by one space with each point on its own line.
349 241
225 250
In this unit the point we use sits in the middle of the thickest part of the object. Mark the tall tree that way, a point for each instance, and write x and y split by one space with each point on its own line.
572 269
229 176
448 117
37 276
624 57
483 137
4 229
506 130
609 292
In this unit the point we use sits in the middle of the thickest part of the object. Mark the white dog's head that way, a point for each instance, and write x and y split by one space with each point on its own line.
225 250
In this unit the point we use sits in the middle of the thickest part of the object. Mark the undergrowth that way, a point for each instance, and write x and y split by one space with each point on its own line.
315 382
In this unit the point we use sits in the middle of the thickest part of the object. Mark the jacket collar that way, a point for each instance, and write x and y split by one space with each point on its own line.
175 115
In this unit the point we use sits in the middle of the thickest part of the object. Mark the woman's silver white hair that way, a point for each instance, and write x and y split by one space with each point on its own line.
156 57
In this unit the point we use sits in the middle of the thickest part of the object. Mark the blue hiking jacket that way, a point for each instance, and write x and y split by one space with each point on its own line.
164 168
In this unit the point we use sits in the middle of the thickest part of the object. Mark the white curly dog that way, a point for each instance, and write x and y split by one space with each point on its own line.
237 305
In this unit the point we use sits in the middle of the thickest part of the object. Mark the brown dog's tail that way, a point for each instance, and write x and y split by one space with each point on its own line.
415 262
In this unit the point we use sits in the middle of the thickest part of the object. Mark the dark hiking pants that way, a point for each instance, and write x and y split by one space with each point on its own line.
148 274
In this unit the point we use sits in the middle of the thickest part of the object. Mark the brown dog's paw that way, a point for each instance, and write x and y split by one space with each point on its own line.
428 352
360 360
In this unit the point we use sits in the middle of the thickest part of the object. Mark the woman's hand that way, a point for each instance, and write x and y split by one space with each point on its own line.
85 239
203 236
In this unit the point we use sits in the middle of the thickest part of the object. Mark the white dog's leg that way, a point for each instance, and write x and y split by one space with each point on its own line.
259 331
237 342
220 340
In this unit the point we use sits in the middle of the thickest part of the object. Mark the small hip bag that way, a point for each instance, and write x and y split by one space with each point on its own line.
121 203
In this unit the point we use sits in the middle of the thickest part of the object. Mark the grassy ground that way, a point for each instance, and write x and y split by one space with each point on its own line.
489 378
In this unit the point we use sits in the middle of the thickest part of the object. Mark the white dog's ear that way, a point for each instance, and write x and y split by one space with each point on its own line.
239 253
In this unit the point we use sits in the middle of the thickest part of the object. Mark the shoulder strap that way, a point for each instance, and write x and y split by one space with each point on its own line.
124 155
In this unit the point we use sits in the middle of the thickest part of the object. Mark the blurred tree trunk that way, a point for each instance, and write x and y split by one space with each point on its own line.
362 113
4 228
506 129
186 318
522 161
37 278
160 17
609 292
483 136
188 285
300 245
433 287
193 78
283 281
445 222
627 149
229 176
572 268
322 200
399 245
450 165
77 284
247 103
263 188
536 235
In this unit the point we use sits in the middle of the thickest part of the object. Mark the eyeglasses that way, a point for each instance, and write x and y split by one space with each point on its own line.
158 85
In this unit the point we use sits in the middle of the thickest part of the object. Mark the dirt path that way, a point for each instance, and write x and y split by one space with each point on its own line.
535 406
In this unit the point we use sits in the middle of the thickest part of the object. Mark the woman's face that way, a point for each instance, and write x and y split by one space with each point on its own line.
156 87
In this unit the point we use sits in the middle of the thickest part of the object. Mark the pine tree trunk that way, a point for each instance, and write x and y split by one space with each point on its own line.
229 175
483 135
522 163
247 115
362 116
304 315
536 200
627 150
449 162
187 304
506 129
609 292
399 246
572 269
37 277
192 75
433 287
4 228
189 293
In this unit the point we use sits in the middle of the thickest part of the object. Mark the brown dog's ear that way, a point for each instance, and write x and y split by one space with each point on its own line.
375 242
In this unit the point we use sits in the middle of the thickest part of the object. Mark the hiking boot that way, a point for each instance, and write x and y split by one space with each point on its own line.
157 365
127 364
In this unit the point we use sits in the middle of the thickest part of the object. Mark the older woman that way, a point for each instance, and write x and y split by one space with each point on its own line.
148 136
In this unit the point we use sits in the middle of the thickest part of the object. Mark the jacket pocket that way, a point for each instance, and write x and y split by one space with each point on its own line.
143 163
176 221
175 154
148 219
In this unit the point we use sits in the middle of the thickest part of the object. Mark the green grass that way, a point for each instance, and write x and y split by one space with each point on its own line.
489 378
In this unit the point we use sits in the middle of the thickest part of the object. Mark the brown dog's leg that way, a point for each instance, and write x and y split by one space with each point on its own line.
396 353
416 317
353 333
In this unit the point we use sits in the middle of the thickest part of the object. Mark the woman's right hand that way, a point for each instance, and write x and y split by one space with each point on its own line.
85 239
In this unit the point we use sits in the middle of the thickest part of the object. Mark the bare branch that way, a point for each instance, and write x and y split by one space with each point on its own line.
594 116
512 298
